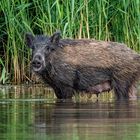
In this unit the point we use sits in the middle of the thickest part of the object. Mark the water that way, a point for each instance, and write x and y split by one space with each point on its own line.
33 113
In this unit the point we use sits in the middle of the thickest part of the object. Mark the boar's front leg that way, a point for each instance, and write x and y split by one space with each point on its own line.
63 92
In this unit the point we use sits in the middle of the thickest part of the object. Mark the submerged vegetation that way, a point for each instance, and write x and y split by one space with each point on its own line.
109 20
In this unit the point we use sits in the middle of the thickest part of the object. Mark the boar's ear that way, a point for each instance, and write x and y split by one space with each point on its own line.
55 37
29 40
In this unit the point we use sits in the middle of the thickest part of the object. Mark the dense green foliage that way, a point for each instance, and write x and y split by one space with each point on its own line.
115 20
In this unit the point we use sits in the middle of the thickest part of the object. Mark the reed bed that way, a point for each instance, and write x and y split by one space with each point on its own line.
101 19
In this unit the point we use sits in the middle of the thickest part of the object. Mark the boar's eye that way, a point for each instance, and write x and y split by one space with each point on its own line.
33 47
48 49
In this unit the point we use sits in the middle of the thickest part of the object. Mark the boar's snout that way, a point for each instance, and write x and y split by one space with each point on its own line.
38 63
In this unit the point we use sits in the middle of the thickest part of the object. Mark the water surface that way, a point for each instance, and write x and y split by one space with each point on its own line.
33 113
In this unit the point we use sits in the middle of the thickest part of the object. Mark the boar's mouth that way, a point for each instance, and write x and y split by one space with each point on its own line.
37 66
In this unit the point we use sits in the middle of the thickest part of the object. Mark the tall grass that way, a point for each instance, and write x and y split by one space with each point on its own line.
101 19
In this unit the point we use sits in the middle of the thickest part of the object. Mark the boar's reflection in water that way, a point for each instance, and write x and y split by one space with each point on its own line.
61 117
87 65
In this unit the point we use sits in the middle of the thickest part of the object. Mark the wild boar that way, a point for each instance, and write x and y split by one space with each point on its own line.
74 65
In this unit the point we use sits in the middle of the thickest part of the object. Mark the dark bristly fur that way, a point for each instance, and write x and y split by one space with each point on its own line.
69 65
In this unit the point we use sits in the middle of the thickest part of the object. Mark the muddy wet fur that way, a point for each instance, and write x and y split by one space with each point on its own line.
88 65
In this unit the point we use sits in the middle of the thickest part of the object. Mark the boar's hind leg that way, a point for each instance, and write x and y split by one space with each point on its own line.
124 89
132 91
120 88
64 93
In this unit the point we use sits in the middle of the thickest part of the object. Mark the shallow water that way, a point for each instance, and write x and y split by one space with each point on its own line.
33 113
